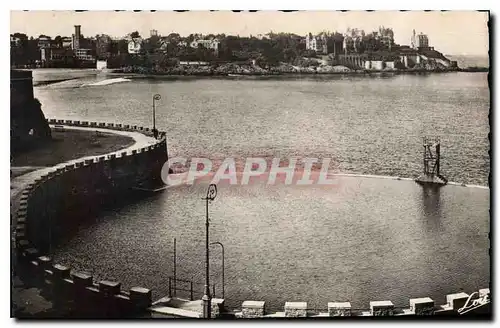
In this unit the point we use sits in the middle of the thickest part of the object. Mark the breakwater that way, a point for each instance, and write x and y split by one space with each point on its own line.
68 193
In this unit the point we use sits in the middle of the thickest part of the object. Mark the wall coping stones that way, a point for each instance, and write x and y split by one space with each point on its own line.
109 287
339 309
61 271
381 308
23 243
484 291
295 309
456 301
253 304
81 279
422 306
31 252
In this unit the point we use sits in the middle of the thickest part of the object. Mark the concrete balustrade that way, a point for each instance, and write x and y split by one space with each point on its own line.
102 125
110 125
85 123
52 121
381 308
68 122
93 123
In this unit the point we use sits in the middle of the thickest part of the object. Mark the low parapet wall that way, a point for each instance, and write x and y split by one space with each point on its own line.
417 307
56 197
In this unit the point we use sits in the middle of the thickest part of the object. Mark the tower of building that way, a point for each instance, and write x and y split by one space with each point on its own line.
77 37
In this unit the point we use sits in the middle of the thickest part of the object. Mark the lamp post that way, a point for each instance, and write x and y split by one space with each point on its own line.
222 246
155 97
207 300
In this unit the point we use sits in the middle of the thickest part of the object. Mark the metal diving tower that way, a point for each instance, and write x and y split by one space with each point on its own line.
432 158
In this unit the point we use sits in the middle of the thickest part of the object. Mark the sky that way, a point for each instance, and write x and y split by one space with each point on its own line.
451 32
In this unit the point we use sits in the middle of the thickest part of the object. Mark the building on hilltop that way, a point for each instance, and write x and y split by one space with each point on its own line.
134 46
14 41
386 37
317 43
67 42
419 41
213 44
76 37
44 41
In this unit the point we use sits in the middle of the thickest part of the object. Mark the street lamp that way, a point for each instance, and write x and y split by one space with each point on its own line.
222 246
155 97
207 300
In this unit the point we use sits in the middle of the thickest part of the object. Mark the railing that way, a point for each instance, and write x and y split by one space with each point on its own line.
172 287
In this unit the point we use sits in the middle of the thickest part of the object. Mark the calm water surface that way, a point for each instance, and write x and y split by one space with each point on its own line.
366 239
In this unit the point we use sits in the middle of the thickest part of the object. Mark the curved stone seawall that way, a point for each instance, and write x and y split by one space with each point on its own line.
65 193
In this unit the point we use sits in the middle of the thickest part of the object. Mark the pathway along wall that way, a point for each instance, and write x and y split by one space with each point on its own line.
64 196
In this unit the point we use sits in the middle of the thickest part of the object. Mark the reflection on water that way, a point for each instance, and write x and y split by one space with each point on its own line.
431 205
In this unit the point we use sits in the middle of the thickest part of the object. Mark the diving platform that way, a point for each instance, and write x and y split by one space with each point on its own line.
432 161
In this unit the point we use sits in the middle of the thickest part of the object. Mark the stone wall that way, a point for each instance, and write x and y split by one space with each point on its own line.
65 195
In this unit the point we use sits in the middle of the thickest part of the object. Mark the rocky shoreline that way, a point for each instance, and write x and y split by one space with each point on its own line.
289 70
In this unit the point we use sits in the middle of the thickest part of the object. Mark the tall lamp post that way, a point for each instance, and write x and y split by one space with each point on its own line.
222 246
155 97
207 300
